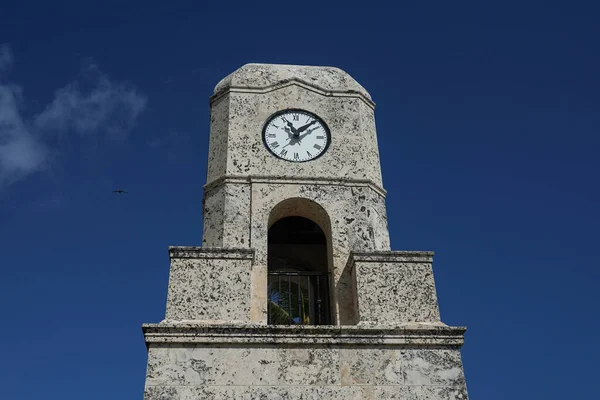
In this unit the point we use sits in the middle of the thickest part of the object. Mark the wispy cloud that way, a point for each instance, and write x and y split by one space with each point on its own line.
90 105
20 152
108 108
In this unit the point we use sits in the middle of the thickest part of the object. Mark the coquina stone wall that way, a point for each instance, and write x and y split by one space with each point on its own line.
259 362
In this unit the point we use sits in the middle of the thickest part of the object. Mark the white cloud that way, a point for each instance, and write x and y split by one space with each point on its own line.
107 108
95 107
21 153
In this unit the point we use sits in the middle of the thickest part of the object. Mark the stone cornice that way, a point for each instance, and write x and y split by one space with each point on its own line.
264 78
202 252
296 181
289 82
393 256
413 335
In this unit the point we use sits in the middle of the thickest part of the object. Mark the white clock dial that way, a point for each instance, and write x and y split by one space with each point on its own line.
296 135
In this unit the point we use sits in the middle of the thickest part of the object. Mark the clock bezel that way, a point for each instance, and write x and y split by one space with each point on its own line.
291 110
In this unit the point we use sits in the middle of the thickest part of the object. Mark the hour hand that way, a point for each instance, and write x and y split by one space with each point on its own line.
289 132
291 126
304 127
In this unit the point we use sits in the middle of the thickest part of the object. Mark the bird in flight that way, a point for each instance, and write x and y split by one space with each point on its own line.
119 191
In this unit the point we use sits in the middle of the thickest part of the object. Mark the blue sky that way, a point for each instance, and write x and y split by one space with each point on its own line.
488 118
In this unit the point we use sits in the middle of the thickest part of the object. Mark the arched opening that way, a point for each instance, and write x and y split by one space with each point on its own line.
298 273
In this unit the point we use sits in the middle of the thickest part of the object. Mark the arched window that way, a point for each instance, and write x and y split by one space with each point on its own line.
298 284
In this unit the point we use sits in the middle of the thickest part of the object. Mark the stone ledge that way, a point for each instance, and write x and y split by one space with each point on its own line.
409 335
289 82
241 179
393 256
299 391
203 252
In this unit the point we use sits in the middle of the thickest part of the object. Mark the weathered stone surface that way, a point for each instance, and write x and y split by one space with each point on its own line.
265 76
419 393
427 367
305 393
370 366
211 332
172 365
209 284
350 215
353 363
227 216
350 118
314 365
395 287
217 148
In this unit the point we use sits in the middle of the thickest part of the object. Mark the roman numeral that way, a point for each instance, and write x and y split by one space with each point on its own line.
320 137
275 126
296 117
283 153
272 135
274 145
296 156
308 153
316 146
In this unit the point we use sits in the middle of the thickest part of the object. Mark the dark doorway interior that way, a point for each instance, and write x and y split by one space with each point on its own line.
298 285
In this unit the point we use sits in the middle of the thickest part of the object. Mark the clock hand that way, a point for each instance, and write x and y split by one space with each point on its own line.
304 127
290 125
293 141
307 133
290 133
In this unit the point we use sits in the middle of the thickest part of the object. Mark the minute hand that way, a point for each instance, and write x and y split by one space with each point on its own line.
305 127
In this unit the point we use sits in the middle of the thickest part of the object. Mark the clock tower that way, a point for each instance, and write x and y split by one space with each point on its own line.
295 292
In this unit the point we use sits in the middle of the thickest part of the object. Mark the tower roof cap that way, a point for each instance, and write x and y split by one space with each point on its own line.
261 76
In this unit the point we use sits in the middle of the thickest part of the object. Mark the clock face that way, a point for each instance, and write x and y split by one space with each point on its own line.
296 135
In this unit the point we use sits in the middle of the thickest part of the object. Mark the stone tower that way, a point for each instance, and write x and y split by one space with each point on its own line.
295 292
